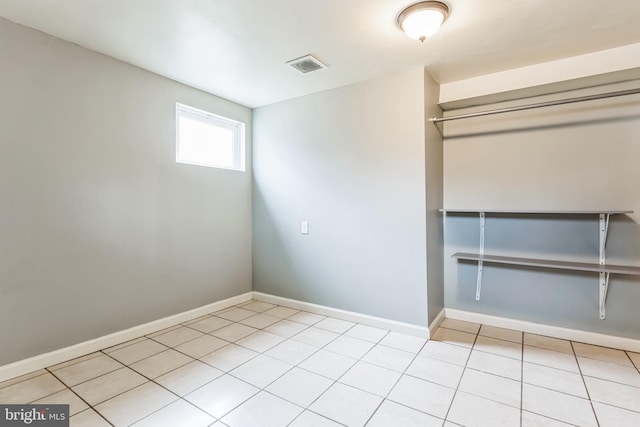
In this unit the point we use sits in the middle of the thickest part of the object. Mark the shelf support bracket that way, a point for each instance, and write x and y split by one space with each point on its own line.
604 289
480 261
604 229
603 281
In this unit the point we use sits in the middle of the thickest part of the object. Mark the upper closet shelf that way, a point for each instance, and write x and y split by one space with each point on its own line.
536 212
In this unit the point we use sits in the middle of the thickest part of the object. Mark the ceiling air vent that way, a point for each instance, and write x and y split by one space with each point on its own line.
306 64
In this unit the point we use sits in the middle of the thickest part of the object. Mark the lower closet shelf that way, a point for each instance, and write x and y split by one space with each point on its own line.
555 264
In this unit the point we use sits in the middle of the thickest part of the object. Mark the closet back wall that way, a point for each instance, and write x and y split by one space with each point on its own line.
100 229
572 157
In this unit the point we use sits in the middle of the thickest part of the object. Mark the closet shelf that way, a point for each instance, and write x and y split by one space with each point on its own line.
546 263
537 212
602 268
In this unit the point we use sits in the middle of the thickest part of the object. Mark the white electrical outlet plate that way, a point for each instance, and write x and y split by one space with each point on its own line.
304 227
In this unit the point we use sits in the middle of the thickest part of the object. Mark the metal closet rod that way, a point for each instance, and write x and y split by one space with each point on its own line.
538 105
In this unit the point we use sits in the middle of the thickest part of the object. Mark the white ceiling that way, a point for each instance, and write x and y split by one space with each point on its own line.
237 49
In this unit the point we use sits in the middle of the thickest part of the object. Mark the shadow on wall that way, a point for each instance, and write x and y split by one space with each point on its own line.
274 269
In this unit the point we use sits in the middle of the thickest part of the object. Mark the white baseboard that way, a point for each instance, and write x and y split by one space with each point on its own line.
603 340
377 322
31 364
433 327
35 363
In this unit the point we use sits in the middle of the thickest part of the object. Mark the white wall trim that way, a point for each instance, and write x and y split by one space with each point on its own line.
41 361
365 319
433 327
547 330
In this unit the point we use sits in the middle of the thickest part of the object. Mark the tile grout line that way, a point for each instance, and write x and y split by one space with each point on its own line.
234 377
336 381
122 345
153 380
89 406
632 362
553 368
461 376
578 373
182 398
464 367
26 379
523 382
404 372
296 366
593 409
263 353
521 378
165 388
508 378
97 376
222 339
315 413
308 408
155 354
563 393
149 380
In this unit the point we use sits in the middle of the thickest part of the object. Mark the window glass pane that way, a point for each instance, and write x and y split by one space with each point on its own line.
208 140
203 143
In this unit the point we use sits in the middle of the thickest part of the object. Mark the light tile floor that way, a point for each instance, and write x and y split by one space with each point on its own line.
259 365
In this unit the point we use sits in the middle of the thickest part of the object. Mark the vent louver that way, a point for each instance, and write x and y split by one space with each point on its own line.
306 64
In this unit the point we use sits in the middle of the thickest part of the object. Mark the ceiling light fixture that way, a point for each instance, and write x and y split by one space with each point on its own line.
422 20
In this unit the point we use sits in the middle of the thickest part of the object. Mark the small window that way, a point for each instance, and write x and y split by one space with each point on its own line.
205 139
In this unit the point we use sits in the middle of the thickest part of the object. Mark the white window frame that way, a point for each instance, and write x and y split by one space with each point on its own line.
236 127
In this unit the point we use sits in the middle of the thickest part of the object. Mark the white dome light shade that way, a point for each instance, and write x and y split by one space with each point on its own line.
422 20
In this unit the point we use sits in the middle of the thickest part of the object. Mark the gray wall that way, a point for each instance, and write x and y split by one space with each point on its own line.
434 199
351 162
100 229
573 157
